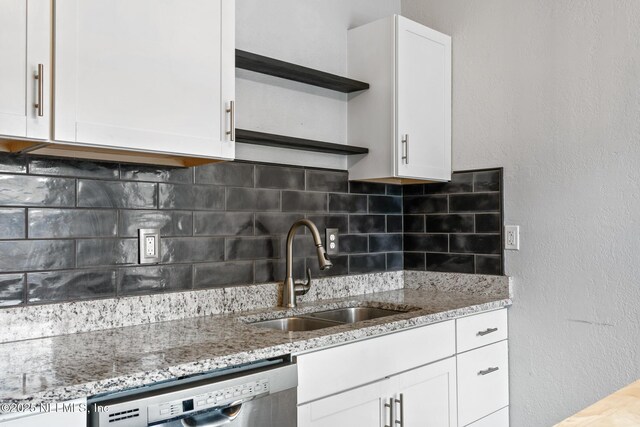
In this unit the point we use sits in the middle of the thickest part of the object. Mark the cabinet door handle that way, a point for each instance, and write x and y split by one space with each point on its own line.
488 371
487 332
39 105
391 418
400 422
232 121
405 148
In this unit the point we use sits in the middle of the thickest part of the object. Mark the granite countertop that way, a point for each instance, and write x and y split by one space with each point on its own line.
66 367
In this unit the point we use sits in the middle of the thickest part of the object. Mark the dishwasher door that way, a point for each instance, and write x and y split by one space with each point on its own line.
263 396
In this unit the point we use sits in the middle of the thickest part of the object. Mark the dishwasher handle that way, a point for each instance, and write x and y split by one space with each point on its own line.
214 418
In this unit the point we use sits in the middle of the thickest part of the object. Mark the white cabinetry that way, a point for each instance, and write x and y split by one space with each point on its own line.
25 52
405 117
483 368
67 414
145 76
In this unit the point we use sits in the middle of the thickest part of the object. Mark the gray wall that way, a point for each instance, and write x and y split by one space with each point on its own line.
551 91
312 33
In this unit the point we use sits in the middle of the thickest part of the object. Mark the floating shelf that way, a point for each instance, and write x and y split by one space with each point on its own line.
286 70
281 141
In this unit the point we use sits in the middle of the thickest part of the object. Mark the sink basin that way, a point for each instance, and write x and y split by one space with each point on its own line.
296 324
354 314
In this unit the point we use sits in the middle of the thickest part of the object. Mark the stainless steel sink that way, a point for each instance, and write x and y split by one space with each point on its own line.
296 324
354 314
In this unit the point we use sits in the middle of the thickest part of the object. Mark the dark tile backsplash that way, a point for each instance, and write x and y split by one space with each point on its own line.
455 226
68 228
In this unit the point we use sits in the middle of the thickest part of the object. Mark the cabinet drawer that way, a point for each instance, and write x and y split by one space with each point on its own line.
340 368
497 419
481 329
483 382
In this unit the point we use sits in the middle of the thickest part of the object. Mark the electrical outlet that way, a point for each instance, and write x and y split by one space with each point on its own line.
512 237
332 241
149 245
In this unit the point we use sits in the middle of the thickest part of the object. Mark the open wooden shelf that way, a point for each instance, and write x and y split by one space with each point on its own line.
286 70
281 141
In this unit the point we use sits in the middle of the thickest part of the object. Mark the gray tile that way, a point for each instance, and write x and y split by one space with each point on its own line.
13 163
413 190
486 264
111 194
414 223
385 204
196 197
414 261
299 201
252 199
394 224
488 223
481 202
192 249
61 223
156 174
460 183
367 223
385 242
353 243
154 279
279 177
426 242
487 180
452 263
275 223
394 190
235 174
71 285
369 263
252 248
394 261
12 289
450 223
341 222
425 204
269 270
29 255
303 245
105 252
476 243
351 203
12 223
170 223
329 181
367 187
340 267
222 274
74 168
21 190
223 223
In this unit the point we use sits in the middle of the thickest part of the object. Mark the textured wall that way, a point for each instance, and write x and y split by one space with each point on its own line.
68 228
551 91
312 33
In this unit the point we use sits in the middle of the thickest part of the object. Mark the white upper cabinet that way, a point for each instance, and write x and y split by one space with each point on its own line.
405 117
146 75
25 68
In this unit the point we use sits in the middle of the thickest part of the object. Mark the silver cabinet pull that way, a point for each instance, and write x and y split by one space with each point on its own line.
39 105
232 120
400 422
391 418
487 332
488 371
405 148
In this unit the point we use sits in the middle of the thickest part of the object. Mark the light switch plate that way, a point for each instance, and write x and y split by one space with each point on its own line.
512 237
149 245
332 241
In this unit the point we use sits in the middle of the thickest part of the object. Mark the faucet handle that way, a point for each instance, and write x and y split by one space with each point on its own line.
302 288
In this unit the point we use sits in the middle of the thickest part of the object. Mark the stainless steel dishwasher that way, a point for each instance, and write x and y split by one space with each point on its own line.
261 394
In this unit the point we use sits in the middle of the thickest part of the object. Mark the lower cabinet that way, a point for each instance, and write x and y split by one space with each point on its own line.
67 414
421 396
497 419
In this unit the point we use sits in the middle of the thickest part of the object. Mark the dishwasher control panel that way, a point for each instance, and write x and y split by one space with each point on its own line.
211 399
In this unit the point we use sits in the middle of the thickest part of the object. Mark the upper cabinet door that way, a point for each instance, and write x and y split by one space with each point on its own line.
423 102
25 53
146 75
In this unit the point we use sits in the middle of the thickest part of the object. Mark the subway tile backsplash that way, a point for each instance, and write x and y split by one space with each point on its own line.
455 226
68 228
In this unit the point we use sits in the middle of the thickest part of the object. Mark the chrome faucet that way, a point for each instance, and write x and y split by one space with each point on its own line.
291 288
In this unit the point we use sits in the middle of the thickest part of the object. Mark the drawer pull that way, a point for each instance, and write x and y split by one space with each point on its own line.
401 402
487 332
488 371
391 418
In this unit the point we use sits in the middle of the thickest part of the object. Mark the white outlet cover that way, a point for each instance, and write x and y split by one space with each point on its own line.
149 246
512 237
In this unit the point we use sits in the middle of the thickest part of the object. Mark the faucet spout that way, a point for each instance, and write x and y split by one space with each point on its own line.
292 289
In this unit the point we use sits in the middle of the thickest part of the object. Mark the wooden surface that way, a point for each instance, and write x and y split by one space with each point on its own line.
620 409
